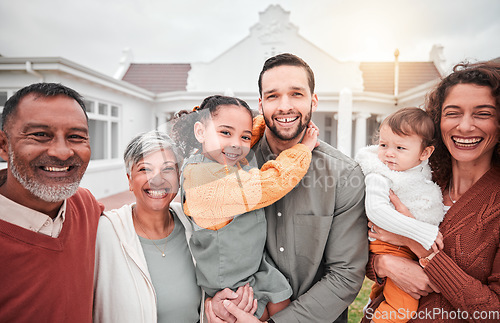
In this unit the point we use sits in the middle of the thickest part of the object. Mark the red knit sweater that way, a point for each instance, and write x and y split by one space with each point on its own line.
45 279
467 270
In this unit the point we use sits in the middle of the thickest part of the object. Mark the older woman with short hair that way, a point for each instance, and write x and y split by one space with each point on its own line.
144 271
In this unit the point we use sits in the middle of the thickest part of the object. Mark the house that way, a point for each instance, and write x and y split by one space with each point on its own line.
353 96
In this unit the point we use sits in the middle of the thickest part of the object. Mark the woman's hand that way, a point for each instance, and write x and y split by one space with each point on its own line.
414 246
438 243
406 274
215 310
243 298
397 240
378 233
240 315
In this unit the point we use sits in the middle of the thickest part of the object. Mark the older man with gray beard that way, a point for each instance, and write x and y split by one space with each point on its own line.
48 224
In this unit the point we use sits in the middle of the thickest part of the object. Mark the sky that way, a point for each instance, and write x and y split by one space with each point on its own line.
93 33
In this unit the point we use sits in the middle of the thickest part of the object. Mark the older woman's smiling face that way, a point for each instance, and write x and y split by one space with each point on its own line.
469 123
155 180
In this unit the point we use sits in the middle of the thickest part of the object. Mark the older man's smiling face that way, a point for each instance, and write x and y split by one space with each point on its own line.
47 147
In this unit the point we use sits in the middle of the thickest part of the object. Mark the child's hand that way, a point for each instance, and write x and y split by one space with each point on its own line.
311 136
398 205
438 243
259 126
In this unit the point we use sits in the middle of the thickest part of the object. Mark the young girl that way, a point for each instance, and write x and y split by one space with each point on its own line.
223 197
399 163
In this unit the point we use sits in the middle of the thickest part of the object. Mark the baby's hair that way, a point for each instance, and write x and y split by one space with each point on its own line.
183 121
411 121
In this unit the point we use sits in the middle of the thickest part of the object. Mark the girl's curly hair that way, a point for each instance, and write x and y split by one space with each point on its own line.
480 73
183 121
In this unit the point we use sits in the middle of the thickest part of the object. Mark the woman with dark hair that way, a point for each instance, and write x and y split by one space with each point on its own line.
462 281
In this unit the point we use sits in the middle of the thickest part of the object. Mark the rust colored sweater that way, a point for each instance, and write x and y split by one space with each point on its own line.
467 270
45 279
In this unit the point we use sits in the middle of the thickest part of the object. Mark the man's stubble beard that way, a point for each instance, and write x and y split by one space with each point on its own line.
47 193
295 134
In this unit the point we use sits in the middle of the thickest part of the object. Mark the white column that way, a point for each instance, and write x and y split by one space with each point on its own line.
344 129
360 138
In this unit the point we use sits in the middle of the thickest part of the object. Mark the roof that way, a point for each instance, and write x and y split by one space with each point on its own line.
158 78
46 65
379 76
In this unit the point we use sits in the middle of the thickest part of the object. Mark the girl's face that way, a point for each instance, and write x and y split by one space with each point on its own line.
470 123
226 137
155 180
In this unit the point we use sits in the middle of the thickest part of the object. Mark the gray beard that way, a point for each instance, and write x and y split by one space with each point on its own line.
47 193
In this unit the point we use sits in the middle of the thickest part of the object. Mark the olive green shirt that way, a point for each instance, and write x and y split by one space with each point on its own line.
317 236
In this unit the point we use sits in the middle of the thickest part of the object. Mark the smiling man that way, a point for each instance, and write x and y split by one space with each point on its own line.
316 234
47 223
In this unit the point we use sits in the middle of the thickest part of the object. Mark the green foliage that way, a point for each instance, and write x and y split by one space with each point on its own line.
356 308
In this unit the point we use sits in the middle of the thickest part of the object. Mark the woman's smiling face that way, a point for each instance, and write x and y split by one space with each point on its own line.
470 123
155 180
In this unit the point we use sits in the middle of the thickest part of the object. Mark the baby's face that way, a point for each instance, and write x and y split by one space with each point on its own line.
400 153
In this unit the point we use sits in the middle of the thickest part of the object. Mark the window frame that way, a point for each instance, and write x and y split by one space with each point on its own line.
10 92
94 114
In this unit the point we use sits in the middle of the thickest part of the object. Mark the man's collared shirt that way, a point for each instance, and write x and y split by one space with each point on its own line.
317 235
30 219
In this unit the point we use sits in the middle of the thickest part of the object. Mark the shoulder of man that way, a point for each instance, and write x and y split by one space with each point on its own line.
84 198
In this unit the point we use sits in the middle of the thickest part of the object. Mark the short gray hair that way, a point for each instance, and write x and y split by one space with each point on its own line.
146 143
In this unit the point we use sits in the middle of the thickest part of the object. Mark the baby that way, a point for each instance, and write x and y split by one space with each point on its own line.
400 163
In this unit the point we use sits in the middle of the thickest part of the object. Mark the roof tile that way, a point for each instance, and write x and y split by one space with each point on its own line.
379 76
158 78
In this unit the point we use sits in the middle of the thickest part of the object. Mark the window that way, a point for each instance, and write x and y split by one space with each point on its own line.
104 121
330 130
372 125
4 96
3 99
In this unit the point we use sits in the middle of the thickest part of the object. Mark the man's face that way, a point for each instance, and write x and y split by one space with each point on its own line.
47 147
286 101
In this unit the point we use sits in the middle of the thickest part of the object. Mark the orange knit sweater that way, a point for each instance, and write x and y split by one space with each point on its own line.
215 193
